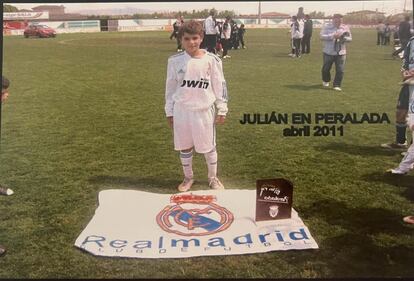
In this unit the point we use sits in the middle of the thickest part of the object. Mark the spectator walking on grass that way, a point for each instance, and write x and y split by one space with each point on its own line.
334 36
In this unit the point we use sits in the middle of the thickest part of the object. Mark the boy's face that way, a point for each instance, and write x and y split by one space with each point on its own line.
4 94
191 42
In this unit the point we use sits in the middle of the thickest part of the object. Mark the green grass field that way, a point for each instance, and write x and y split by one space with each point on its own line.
86 113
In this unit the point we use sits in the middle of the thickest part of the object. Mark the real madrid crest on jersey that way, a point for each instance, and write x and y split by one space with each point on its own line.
194 215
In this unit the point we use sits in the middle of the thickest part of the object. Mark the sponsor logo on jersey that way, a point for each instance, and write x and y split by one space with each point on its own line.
201 84
194 215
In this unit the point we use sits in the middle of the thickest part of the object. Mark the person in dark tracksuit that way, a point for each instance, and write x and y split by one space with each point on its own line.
404 34
176 27
307 34
407 71
242 30
234 38
387 34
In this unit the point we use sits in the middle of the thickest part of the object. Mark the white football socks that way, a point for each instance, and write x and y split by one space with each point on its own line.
187 163
211 160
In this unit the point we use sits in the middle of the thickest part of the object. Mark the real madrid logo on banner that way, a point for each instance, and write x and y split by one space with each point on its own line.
194 215
273 210
273 199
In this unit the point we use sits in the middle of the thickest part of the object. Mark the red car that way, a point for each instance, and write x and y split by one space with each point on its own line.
39 30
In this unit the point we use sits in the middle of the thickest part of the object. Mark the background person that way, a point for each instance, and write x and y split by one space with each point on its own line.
211 32
234 38
225 37
380 33
334 36
242 31
176 28
307 35
404 35
297 34
407 72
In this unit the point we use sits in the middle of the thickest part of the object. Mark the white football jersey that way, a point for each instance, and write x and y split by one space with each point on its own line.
195 83
210 26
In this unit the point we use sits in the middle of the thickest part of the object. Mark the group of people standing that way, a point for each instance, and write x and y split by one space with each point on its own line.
219 37
383 33
301 33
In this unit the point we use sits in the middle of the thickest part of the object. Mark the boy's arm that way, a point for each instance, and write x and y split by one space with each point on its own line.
219 87
170 87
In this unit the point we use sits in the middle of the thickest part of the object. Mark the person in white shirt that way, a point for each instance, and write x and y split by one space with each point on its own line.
334 36
195 100
225 37
211 32
296 32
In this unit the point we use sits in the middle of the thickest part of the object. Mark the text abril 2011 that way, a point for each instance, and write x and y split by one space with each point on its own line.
328 121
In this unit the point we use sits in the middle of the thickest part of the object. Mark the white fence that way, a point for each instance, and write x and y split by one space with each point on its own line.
155 24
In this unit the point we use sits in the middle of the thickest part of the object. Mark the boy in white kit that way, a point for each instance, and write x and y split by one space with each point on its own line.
195 89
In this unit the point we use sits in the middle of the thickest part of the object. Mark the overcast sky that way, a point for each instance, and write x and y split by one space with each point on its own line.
291 7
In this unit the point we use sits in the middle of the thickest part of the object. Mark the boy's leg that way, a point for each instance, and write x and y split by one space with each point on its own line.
186 158
211 160
183 142
204 136
400 120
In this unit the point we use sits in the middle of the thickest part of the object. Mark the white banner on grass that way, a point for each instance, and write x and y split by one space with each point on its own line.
138 224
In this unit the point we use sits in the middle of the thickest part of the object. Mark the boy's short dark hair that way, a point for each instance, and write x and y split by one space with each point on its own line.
191 27
5 83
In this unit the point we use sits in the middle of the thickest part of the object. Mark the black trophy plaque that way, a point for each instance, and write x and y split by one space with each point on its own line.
273 199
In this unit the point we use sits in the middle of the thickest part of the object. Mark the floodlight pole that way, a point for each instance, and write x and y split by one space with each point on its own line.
260 12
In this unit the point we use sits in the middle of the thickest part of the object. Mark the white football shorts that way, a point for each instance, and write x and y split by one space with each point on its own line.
194 129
